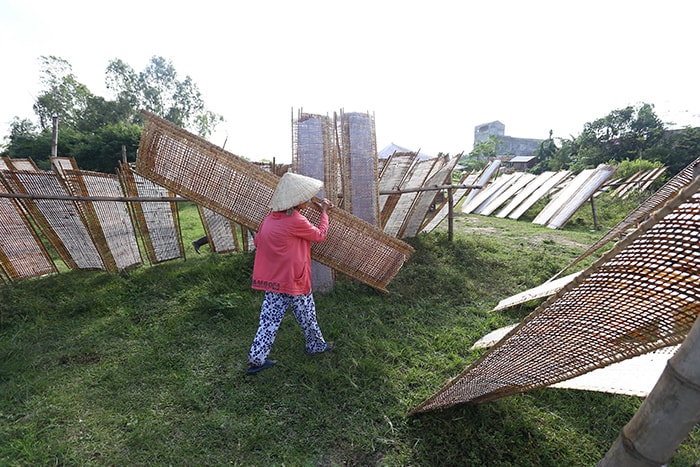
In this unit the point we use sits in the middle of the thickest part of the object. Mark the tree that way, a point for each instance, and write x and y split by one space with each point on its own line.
26 141
101 150
546 155
622 134
93 129
482 152
677 149
158 90
64 96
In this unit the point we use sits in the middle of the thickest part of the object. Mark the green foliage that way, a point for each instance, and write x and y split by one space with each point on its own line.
480 155
92 129
26 141
634 133
158 89
63 96
622 134
677 150
146 367
627 168
99 150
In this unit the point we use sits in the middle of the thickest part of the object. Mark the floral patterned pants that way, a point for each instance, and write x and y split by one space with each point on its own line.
273 309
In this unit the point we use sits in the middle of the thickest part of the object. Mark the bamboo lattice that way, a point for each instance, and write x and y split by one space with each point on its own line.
358 156
397 207
392 173
641 296
315 154
157 222
59 220
441 175
220 230
22 255
654 202
239 190
108 221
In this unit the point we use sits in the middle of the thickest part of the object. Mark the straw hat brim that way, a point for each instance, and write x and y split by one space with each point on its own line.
292 190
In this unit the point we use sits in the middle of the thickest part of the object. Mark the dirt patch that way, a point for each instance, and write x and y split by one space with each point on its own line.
550 238
527 233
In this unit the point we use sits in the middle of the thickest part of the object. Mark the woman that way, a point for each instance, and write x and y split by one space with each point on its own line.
283 267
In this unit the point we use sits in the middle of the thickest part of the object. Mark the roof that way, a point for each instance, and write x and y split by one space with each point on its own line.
387 151
522 158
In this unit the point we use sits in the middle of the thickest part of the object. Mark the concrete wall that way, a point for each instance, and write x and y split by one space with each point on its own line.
509 145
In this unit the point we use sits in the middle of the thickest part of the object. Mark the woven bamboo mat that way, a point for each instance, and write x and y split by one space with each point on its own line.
397 207
221 231
358 154
108 221
239 190
392 172
315 154
635 376
577 192
641 296
22 255
654 202
157 222
59 220
425 200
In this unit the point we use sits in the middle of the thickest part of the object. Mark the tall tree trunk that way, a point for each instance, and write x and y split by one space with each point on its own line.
666 416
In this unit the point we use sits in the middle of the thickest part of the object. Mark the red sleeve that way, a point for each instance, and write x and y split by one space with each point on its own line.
306 230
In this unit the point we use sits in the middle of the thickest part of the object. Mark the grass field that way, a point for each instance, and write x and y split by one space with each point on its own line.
147 367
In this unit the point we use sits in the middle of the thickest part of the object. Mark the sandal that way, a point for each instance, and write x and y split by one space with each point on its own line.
329 347
254 369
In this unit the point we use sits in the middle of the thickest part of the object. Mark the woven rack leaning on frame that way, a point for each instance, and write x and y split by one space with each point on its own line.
641 296
234 187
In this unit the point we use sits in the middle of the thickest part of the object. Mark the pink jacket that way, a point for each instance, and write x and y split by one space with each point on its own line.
283 252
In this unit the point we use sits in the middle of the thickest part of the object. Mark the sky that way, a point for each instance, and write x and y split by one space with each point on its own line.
429 72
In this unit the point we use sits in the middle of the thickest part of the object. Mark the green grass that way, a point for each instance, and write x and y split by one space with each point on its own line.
147 367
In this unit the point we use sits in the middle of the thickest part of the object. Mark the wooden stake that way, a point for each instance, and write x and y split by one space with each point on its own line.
595 215
450 215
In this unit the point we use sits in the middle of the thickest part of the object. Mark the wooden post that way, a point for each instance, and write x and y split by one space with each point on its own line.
124 153
54 137
595 215
450 215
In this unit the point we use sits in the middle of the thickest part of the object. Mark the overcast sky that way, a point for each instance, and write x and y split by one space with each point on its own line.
429 72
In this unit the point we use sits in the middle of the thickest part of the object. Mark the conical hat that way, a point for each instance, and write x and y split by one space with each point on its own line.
292 190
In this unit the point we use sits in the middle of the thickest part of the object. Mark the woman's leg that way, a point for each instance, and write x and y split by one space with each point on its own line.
304 310
271 313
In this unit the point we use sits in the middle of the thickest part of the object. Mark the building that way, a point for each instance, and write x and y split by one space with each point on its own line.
521 163
507 145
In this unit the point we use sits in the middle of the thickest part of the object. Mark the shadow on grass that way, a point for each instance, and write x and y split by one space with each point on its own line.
542 428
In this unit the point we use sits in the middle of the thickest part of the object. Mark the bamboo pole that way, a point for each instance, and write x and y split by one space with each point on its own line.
124 199
429 188
666 416
450 214
54 137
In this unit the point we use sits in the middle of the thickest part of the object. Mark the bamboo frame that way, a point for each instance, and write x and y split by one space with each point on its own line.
642 295
239 190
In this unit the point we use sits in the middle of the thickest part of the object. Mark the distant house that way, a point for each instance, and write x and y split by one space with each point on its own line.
508 145
521 163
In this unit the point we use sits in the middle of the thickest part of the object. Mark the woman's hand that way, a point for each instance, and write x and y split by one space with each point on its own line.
325 205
